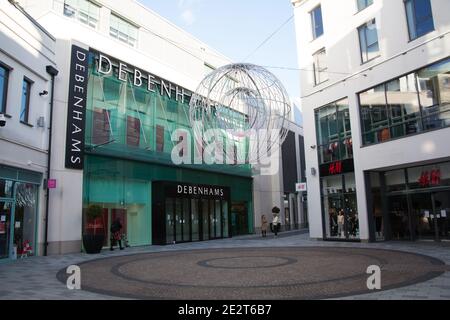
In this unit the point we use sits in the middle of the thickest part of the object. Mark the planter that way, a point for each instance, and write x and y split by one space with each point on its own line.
93 244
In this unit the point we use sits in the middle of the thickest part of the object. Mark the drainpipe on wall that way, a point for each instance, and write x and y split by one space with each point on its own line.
53 73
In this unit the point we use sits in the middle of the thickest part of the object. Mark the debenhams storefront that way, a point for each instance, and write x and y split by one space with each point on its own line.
121 139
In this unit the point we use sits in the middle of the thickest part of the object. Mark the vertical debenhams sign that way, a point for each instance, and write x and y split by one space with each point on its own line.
76 113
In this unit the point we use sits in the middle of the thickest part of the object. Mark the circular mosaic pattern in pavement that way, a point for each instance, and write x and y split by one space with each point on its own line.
253 273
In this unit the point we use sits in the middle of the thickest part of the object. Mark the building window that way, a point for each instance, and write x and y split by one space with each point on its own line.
25 106
4 75
368 39
407 105
362 4
123 30
317 23
420 18
84 11
320 67
334 133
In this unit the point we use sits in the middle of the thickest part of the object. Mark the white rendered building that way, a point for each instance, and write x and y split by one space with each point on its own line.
27 65
376 101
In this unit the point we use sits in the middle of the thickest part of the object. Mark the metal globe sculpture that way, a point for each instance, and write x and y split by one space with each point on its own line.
244 101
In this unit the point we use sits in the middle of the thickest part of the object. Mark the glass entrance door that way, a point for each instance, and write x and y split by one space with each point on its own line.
5 229
422 214
399 217
441 214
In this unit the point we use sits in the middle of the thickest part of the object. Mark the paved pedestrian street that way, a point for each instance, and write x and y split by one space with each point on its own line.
288 267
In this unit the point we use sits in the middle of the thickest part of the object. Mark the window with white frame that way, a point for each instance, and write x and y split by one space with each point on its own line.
320 66
368 39
123 30
84 11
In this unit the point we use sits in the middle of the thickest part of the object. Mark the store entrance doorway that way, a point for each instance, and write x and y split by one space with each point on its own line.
5 229
430 212
420 216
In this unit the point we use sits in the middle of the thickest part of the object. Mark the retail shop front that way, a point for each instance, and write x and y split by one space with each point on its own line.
411 203
19 198
130 126
337 172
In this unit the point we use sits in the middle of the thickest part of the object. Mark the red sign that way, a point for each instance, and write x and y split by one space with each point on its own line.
430 178
335 168
51 184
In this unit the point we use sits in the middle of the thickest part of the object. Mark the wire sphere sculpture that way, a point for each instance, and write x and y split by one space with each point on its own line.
245 102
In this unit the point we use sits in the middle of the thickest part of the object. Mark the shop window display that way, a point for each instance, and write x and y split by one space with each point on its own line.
334 136
417 202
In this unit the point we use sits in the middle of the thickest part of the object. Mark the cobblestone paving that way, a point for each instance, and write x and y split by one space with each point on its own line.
288 267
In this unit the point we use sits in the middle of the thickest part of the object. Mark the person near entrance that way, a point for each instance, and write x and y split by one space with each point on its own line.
264 226
276 221
116 235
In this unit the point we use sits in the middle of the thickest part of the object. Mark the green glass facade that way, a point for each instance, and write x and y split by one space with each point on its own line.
128 149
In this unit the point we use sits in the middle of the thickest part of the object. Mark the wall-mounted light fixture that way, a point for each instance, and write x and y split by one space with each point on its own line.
313 171
43 93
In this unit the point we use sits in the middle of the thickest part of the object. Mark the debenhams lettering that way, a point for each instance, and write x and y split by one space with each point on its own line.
105 66
76 115
200 191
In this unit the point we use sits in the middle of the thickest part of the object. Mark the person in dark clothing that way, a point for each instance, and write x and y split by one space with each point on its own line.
116 235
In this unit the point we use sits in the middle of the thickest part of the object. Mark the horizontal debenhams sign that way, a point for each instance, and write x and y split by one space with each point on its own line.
139 78
181 190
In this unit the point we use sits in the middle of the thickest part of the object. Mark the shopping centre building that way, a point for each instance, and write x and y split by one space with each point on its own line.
376 100
125 80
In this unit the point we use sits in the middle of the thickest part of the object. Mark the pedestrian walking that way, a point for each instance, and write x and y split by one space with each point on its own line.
264 226
276 223
116 235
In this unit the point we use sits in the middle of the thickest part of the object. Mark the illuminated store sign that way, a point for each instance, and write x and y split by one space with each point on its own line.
430 178
336 168
141 79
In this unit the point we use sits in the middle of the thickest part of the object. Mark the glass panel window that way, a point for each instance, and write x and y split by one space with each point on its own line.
4 74
317 23
411 104
368 39
25 219
362 4
334 135
420 18
434 92
403 106
429 176
123 30
6 188
395 180
25 105
84 11
374 115
320 67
